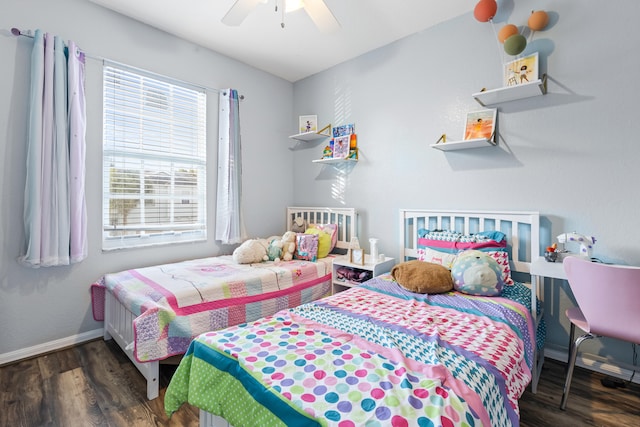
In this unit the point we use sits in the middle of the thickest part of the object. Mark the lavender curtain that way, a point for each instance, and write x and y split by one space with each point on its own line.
54 205
229 219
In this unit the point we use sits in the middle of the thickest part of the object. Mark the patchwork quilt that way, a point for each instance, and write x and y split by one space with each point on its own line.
176 302
374 355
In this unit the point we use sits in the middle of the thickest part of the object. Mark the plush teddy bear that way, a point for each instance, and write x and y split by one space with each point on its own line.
288 245
282 248
477 273
422 277
251 251
298 225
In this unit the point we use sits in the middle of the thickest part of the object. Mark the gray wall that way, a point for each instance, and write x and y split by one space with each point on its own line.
43 305
572 154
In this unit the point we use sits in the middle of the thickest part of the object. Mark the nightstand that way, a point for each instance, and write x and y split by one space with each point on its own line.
375 267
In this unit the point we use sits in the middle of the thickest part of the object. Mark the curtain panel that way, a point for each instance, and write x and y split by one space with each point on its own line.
229 219
54 207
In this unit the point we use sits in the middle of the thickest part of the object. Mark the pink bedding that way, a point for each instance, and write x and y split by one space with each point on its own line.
176 302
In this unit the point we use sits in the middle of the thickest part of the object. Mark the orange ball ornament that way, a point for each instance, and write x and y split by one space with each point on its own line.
538 20
485 10
506 32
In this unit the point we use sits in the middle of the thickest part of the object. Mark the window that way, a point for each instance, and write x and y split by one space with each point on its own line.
154 160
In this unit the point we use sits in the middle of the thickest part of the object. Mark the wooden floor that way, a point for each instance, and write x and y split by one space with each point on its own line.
94 384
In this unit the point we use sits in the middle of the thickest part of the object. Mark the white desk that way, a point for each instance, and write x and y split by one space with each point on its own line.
541 268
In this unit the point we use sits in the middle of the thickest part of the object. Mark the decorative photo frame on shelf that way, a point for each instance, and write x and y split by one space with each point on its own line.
357 256
341 147
480 124
521 71
308 123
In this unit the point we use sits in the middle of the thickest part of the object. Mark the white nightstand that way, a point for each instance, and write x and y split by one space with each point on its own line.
376 268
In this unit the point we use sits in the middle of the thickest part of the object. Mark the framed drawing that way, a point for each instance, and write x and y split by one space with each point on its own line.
480 124
341 147
308 124
521 71
357 256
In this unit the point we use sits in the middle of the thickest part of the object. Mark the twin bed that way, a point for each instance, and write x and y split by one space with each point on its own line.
153 313
377 354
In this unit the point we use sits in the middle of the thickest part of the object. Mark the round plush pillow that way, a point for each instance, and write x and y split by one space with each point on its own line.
422 277
477 273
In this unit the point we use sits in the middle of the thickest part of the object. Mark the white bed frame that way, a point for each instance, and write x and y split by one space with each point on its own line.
118 320
523 237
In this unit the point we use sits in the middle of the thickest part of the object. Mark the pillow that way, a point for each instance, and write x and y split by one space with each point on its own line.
441 242
306 247
443 258
331 230
422 277
477 273
324 241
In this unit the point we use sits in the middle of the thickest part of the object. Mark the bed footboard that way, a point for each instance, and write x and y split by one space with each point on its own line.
118 324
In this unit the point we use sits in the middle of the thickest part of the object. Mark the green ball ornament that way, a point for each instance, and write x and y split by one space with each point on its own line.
515 44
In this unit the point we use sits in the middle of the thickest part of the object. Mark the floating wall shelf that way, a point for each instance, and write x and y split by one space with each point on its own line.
334 161
308 136
512 93
463 145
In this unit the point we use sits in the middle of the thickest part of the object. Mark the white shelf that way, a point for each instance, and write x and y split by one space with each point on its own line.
463 145
512 93
376 267
308 136
334 161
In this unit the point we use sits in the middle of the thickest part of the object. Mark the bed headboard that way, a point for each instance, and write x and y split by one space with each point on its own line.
345 218
522 230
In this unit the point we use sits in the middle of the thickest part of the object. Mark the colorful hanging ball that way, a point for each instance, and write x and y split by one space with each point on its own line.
485 10
515 44
506 32
538 20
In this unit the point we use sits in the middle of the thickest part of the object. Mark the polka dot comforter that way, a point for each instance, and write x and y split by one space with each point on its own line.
374 355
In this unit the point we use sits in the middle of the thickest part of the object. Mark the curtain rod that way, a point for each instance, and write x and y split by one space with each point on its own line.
17 32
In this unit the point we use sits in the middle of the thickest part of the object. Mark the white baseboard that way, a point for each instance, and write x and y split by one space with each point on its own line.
47 347
597 364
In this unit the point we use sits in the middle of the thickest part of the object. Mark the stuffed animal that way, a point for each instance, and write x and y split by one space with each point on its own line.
288 245
422 277
251 251
274 250
282 248
298 225
477 273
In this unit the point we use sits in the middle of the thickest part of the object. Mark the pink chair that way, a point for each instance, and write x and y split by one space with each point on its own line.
608 298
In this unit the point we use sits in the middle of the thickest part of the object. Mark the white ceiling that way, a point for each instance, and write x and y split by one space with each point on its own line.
299 49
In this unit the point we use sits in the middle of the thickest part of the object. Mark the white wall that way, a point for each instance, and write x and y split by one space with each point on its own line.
48 304
572 154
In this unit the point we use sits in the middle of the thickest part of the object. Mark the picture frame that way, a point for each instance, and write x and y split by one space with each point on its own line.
480 124
521 71
341 147
357 256
308 123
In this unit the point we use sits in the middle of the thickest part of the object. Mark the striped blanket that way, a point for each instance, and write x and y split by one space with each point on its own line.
176 302
373 355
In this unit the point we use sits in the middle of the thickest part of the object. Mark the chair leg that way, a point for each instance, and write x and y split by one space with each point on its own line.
573 353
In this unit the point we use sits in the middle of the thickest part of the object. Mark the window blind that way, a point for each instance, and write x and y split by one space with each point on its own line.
154 160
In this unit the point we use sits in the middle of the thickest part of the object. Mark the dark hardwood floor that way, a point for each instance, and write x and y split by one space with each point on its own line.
94 384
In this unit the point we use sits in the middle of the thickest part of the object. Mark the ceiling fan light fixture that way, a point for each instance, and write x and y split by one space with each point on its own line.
293 5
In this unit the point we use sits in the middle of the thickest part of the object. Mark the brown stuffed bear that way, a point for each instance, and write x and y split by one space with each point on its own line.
423 277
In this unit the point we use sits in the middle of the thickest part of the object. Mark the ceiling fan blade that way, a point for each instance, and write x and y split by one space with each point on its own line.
321 15
239 11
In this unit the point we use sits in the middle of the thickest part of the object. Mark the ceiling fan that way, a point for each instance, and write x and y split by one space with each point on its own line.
316 9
